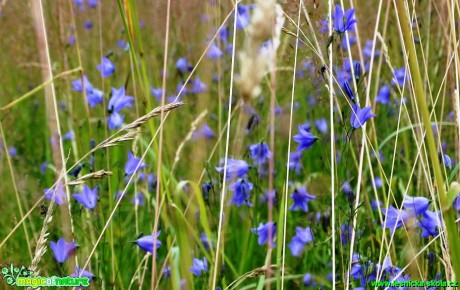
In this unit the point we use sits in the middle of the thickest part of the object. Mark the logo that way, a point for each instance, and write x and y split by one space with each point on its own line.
23 277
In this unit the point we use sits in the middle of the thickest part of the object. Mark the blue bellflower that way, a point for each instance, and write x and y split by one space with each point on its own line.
119 100
243 17
343 22
295 161
394 218
214 52
349 92
182 65
383 96
82 273
321 125
263 231
106 67
87 198
399 76
298 242
367 50
259 153
132 163
417 205
204 132
138 199
147 243
60 196
235 168
301 198
360 116
62 250
115 121
241 192
304 138
199 266
429 223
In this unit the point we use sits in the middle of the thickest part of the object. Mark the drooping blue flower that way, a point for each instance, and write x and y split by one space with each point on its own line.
167 272
199 266
77 85
43 167
296 246
235 168
93 3
349 92
12 151
378 182
62 250
71 40
295 159
76 171
259 153
119 100
343 22
360 116
205 241
383 96
321 125
198 86
399 76
263 232
375 205
348 191
147 243
307 280
182 65
417 204
394 218
214 52
301 198
60 196
243 17
367 50
88 197
69 136
447 161
94 97
132 164
269 195
241 192
106 67
115 121
301 238
138 199
357 70
88 24
304 138
204 132
429 223
456 203
157 93
223 33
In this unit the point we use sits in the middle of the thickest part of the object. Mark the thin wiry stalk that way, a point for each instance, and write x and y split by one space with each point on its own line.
160 148
452 233
227 143
332 157
286 188
52 111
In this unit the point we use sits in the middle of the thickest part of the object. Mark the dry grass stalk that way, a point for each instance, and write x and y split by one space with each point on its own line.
94 175
262 41
155 112
114 142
